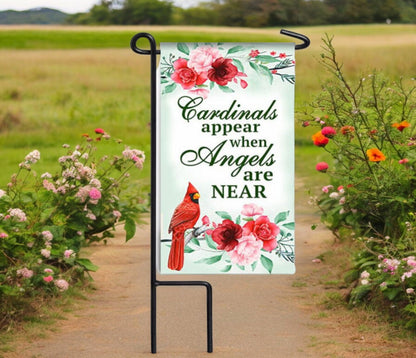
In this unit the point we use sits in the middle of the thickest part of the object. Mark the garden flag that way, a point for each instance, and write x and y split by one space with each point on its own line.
226 158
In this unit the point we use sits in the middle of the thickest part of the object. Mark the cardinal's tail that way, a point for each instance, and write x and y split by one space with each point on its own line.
176 254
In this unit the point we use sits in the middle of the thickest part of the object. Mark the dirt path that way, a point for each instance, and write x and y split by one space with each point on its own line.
267 316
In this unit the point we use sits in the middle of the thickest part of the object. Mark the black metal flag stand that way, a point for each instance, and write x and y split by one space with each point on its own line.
154 283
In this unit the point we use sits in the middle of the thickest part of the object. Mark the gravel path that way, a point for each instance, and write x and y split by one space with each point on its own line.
255 316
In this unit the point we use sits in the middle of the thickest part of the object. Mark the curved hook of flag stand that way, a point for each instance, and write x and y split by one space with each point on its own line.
154 283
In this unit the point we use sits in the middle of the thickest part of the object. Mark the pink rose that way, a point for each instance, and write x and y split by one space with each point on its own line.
263 230
322 167
185 76
62 284
48 278
251 210
247 251
68 253
202 58
328 132
94 194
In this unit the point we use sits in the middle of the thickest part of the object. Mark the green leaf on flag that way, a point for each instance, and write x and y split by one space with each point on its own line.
282 216
226 89
267 263
226 268
224 215
209 260
169 88
188 250
235 49
290 226
238 64
183 47
211 244
266 58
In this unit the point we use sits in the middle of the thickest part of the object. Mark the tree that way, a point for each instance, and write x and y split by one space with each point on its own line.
135 12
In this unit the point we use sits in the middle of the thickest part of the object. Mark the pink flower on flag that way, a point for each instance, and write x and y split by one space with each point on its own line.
185 76
202 58
263 230
251 210
254 53
247 251
201 92
205 220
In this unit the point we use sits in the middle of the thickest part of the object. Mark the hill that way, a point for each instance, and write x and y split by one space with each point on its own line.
40 15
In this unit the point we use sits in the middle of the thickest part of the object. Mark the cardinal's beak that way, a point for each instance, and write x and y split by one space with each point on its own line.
197 196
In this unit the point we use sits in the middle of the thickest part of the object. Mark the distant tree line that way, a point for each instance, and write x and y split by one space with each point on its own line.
249 13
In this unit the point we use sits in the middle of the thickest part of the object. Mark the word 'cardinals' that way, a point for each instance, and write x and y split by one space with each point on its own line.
184 217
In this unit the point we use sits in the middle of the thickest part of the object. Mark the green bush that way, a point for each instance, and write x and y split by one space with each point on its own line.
46 219
368 128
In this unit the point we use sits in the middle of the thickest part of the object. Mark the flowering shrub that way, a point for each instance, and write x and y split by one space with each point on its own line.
368 129
46 219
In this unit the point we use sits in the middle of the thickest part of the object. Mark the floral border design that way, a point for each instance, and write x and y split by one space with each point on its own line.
206 66
251 238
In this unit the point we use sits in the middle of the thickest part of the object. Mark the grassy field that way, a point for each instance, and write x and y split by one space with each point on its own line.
59 82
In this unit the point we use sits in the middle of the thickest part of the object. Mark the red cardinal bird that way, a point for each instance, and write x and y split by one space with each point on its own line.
184 217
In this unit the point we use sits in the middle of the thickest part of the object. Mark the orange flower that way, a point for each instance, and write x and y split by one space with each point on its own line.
375 155
402 125
319 139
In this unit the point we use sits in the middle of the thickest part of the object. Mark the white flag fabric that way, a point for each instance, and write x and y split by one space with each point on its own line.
226 158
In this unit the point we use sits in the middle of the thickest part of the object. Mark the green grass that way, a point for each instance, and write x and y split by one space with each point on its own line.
59 82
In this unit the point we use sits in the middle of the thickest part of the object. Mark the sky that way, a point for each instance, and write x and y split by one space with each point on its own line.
68 6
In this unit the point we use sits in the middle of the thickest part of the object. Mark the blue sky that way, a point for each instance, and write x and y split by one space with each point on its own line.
69 6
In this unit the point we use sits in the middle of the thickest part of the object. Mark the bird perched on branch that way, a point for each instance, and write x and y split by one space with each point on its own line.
184 217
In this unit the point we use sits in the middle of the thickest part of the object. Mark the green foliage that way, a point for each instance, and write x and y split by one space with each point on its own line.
247 13
46 219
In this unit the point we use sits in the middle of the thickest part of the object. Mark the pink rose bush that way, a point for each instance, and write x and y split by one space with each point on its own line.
199 70
45 219
249 239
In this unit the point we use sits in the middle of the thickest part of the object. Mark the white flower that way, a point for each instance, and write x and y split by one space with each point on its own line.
68 253
2 193
46 175
365 274
47 235
62 284
25 272
334 195
96 183
32 157
45 253
18 214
